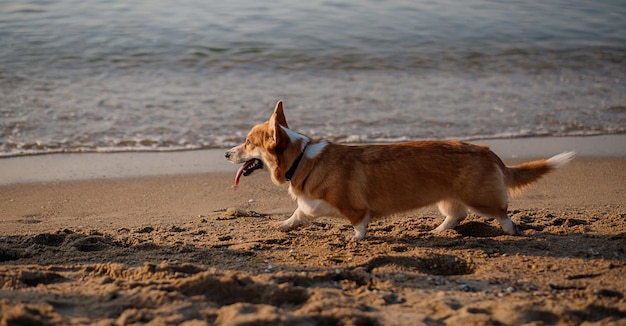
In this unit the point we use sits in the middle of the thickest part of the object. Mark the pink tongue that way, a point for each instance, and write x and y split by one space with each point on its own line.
239 173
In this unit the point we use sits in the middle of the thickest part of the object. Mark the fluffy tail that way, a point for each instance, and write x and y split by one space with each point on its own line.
522 175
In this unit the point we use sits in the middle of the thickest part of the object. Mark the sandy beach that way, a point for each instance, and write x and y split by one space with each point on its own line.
117 205
155 246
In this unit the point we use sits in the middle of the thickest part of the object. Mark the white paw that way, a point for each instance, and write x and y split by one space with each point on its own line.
359 234
284 225
437 229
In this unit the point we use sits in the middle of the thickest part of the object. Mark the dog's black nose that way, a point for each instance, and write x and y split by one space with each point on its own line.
227 154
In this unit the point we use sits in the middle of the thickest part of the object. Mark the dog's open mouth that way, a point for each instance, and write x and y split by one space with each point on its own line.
247 168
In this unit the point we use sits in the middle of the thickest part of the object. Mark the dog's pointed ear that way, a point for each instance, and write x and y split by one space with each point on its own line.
280 115
277 120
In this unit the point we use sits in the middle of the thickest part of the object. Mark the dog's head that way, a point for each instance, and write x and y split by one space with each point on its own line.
269 146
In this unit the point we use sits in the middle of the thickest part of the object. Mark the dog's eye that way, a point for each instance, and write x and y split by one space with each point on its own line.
247 141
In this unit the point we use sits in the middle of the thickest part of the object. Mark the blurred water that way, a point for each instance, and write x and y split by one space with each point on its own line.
103 75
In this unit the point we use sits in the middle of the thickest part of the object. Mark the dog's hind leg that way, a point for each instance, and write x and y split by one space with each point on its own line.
501 216
361 227
508 226
454 211
493 204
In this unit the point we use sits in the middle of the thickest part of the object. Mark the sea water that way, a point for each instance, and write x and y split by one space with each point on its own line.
107 75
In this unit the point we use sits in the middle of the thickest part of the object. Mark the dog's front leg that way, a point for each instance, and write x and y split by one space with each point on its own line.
298 218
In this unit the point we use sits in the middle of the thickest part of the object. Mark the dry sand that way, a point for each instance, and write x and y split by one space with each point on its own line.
192 250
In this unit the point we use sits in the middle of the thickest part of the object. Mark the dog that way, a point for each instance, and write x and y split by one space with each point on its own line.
362 182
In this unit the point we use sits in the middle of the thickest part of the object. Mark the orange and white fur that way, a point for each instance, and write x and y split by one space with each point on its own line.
368 181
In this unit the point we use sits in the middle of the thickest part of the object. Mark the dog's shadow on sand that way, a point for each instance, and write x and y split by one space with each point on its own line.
492 240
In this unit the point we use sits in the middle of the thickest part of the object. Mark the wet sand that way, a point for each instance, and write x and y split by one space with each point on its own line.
188 248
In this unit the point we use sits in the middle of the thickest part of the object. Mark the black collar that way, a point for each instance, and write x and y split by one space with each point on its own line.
294 166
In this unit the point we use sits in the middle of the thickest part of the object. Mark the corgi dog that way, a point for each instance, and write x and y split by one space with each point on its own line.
362 182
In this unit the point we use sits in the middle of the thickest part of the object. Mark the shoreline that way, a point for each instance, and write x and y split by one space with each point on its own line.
61 167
